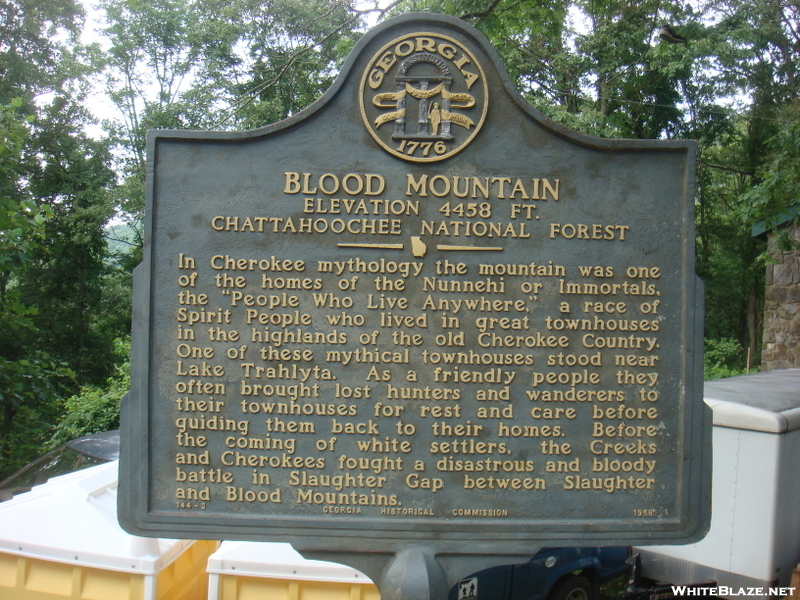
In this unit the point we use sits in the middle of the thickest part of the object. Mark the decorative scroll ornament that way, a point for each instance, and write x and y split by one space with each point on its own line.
458 119
434 82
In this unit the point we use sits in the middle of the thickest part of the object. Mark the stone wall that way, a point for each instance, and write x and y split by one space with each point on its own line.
781 349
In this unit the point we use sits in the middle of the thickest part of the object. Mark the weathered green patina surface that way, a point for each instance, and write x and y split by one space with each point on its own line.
417 313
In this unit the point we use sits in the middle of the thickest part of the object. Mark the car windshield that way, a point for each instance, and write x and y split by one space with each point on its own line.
75 455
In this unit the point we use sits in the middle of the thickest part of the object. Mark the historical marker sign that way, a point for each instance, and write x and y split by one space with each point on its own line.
418 312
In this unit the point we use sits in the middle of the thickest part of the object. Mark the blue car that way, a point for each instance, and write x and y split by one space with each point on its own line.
552 574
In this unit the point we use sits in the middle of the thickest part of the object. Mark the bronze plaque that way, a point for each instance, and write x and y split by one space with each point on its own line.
417 312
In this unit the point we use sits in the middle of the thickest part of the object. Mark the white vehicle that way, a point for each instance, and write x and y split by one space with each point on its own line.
754 540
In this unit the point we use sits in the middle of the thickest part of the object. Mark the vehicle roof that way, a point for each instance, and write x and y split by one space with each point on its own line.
102 446
767 402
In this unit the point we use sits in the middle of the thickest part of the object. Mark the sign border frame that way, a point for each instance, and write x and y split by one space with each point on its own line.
470 536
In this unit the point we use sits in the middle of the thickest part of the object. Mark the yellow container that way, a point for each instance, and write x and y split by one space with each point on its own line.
255 571
61 541
24 578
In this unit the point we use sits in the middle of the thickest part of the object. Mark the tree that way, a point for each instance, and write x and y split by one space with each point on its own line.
293 54
202 64
150 62
69 279
30 56
28 380
61 304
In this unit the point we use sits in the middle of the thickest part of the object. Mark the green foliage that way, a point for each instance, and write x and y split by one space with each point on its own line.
62 302
28 388
54 313
30 50
20 220
68 279
202 64
722 358
779 177
28 379
95 408
728 256
294 49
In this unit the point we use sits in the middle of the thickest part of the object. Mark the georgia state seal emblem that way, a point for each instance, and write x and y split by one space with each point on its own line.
423 97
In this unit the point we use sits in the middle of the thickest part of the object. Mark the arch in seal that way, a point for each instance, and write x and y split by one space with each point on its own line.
427 114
